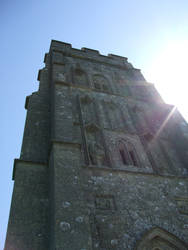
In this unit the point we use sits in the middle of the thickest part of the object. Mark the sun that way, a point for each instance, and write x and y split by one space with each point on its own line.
169 73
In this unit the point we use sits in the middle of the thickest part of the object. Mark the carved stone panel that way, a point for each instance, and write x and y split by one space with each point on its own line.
182 204
101 83
91 130
105 202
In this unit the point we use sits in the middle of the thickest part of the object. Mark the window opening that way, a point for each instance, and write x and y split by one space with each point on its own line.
127 153
123 156
133 158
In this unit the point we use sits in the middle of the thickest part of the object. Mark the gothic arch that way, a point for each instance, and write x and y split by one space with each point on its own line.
127 153
100 82
159 239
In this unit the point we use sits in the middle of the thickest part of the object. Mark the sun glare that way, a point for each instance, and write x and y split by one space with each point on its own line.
169 73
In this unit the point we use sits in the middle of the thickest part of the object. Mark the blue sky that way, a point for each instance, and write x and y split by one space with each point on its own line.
152 34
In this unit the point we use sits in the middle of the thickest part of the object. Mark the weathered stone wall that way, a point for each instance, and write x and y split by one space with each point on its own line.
98 101
28 227
35 146
123 206
71 228
110 208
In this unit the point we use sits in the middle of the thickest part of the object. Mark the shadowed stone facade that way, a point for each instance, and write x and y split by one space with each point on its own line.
103 163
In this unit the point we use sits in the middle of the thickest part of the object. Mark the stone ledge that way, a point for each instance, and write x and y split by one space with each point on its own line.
119 170
93 89
68 143
25 162
75 144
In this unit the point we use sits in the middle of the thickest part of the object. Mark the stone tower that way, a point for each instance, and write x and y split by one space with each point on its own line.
103 163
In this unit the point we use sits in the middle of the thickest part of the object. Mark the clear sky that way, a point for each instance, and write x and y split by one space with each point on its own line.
153 34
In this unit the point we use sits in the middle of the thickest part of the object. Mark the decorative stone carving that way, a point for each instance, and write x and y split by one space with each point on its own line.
101 83
159 239
182 204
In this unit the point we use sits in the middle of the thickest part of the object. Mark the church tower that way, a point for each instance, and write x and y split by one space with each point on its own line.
103 163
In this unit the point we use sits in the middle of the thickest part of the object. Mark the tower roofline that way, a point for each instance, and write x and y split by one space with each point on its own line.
67 48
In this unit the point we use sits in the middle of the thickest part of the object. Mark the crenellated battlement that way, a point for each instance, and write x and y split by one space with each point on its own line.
89 54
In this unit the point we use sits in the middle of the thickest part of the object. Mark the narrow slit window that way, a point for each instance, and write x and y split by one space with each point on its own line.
133 158
127 154
123 157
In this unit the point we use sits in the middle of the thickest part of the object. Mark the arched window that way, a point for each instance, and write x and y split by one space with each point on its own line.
127 153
